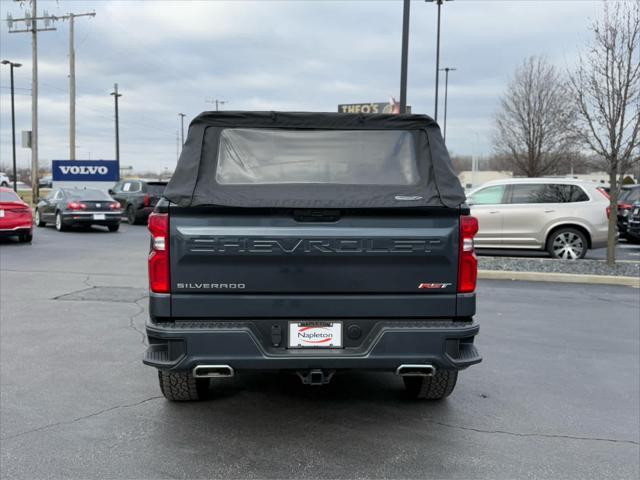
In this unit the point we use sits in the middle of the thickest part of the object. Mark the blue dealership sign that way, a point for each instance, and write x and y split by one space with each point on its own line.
84 170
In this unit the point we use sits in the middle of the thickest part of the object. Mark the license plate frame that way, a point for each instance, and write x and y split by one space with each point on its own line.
316 334
99 216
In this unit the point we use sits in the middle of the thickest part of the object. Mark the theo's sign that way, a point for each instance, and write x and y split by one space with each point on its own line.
374 107
84 170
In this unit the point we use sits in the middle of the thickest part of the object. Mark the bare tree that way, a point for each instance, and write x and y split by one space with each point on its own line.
606 87
532 125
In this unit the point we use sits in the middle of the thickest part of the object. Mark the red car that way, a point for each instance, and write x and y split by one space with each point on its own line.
15 216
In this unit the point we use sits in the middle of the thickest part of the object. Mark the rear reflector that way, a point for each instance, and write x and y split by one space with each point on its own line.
159 270
467 260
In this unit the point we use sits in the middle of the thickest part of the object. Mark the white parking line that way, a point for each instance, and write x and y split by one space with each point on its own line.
626 245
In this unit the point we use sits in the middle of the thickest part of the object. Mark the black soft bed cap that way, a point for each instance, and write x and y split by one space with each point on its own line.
314 160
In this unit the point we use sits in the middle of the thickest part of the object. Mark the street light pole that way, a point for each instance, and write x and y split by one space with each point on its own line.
439 3
182 115
405 56
446 95
117 95
13 122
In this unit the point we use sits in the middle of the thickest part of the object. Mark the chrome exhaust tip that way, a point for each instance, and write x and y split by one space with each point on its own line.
416 370
213 371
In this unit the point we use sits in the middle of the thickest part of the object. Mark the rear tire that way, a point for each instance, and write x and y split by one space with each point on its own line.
436 387
113 228
182 386
567 244
132 218
60 226
38 220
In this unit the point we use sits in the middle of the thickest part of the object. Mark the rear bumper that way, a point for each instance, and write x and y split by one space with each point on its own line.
16 230
110 218
633 230
446 344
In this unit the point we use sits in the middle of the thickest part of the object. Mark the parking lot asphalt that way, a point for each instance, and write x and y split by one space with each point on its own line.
557 395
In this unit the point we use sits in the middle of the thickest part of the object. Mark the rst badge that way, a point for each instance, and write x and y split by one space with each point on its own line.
315 334
434 286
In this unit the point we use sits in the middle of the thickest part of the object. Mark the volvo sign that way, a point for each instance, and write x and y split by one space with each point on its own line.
100 174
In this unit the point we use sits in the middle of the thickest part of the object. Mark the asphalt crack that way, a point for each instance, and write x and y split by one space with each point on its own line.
132 324
539 435
84 417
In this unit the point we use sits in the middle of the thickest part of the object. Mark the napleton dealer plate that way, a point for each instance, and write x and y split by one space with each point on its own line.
315 334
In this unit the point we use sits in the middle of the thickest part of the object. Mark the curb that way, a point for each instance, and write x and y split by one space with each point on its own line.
559 278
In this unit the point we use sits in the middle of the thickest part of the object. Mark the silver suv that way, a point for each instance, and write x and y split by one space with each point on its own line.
563 216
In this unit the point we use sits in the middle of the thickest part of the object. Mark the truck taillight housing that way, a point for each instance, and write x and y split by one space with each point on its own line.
467 260
159 271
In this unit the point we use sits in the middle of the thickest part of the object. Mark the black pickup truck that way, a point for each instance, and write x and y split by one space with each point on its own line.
313 243
138 198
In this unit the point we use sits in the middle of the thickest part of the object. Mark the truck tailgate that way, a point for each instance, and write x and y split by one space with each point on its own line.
218 253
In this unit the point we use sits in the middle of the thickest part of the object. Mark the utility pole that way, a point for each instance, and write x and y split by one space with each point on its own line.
404 56
13 122
31 22
117 95
72 79
182 115
446 94
439 3
217 102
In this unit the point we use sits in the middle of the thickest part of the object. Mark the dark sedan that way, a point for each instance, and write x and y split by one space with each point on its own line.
68 207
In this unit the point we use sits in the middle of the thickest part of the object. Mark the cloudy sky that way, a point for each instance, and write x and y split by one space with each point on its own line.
170 57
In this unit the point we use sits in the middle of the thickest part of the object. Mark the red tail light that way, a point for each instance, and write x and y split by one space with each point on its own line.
608 197
76 206
467 261
115 206
146 200
159 271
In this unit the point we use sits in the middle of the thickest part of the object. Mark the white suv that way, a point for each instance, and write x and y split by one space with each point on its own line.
4 180
563 216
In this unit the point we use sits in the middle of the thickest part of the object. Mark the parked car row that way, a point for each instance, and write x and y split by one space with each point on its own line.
562 216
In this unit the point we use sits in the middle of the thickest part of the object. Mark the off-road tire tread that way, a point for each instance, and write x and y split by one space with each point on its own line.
182 386
437 387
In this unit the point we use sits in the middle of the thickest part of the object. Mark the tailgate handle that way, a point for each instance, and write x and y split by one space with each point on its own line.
320 216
